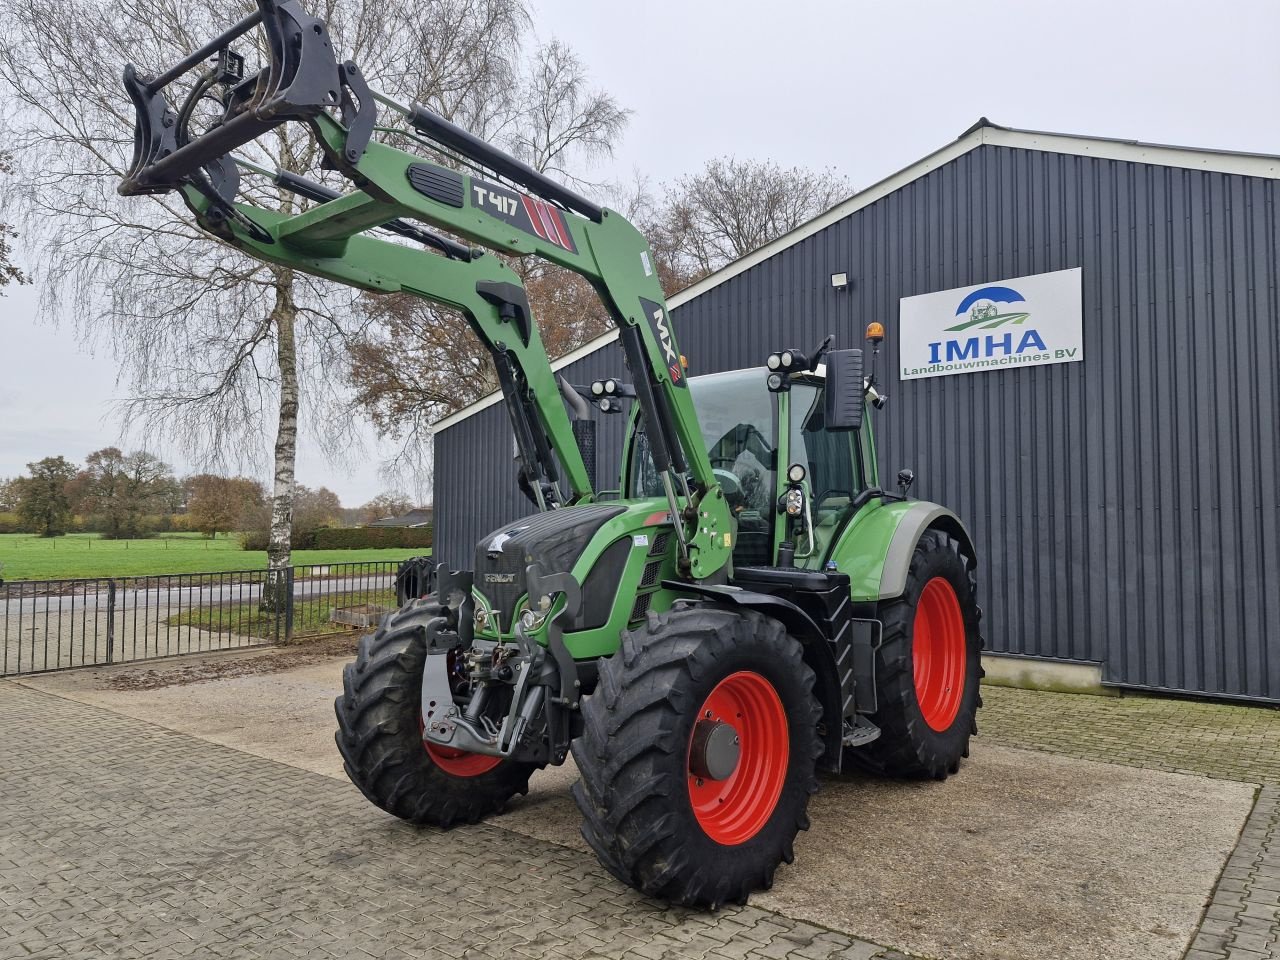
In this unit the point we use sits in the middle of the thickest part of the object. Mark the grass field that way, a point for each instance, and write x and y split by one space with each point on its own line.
87 555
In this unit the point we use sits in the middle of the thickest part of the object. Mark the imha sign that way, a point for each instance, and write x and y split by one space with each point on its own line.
1026 321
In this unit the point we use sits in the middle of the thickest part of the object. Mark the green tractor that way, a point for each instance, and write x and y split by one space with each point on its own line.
754 609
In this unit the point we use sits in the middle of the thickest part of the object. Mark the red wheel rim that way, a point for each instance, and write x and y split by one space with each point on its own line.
460 763
733 810
938 653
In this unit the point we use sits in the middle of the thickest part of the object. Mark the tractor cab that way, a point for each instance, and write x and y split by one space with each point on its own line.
763 445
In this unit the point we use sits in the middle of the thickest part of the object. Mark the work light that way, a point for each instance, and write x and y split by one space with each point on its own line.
795 501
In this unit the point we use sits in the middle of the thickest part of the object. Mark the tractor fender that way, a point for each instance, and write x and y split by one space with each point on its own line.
916 519
816 651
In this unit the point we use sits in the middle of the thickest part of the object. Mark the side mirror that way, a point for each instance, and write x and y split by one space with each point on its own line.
844 390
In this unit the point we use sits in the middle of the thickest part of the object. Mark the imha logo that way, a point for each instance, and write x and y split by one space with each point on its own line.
993 325
981 312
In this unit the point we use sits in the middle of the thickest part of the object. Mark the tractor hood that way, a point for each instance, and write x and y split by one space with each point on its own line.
554 540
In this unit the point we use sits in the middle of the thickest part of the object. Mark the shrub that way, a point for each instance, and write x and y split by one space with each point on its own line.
254 540
361 538
167 523
11 523
181 523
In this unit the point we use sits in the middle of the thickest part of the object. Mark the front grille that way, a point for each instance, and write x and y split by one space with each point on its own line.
640 607
651 571
659 544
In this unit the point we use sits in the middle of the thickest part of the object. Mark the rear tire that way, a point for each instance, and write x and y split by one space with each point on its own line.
380 734
928 668
698 839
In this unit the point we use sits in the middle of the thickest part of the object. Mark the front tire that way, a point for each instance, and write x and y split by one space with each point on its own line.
380 734
928 667
698 755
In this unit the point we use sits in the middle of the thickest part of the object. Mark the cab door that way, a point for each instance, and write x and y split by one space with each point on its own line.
836 468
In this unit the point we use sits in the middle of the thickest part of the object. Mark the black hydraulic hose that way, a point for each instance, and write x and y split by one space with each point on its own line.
669 428
656 429
182 130
531 464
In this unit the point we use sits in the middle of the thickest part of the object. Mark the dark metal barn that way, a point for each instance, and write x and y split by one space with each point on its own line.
1127 506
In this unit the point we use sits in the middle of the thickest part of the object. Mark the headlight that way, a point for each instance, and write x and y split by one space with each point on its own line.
795 502
531 619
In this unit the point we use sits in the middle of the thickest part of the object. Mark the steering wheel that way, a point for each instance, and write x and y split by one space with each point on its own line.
728 481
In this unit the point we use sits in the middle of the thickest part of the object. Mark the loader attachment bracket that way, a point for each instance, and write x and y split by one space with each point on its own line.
300 79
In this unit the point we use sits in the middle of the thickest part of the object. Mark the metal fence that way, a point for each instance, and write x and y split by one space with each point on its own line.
57 624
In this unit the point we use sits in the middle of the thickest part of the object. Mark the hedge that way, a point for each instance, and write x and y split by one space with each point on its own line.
345 538
360 538
261 540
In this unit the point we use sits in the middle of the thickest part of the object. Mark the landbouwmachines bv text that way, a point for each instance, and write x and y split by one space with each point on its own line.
752 609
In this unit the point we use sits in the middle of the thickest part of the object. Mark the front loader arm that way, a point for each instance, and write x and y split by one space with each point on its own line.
609 251
381 266
303 82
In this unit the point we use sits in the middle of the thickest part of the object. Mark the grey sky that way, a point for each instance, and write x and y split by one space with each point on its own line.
865 88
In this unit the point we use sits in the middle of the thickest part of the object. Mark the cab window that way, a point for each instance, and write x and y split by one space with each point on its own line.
738 417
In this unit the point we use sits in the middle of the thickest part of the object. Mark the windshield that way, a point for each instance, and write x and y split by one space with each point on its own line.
739 427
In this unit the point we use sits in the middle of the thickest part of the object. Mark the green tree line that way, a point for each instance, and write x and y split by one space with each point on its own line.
130 495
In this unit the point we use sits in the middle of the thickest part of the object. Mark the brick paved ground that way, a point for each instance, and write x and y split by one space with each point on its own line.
122 839
119 838
1242 921
1160 733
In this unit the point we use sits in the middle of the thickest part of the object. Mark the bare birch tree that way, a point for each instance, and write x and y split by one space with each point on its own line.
732 207
219 351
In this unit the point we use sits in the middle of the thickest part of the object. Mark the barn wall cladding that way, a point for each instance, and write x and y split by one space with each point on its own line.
1126 508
